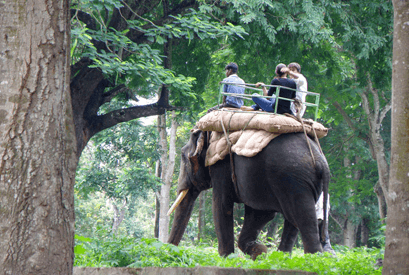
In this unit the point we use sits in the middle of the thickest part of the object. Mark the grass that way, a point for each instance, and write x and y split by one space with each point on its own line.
119 252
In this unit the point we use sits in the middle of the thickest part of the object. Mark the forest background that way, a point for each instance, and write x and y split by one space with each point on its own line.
173 53
127 171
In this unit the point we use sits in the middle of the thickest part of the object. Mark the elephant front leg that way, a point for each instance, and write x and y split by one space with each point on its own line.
223 202
223 222
254 221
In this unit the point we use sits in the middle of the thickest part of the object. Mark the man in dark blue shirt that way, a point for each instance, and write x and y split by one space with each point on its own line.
231 77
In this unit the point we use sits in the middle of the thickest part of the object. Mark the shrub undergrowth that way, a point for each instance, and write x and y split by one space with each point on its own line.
120 252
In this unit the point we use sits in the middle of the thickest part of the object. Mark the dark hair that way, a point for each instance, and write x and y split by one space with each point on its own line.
278 69
232 66
295 65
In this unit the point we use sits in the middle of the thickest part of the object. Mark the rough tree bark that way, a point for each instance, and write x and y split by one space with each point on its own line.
397 229
38 147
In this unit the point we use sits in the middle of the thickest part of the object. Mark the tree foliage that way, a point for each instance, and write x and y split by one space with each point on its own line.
120 162
118 52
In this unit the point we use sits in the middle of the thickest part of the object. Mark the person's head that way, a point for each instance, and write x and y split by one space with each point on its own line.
231 68
278 70
295 67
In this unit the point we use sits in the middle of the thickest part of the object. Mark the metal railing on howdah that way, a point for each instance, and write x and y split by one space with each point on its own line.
249 86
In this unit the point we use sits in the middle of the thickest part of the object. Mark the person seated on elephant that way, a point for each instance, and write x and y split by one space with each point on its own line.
294 72
319 210
231 77
268 105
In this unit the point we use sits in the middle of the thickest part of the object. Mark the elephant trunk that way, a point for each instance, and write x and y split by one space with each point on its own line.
182 216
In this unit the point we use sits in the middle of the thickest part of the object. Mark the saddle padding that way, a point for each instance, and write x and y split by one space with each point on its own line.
237 121
248 132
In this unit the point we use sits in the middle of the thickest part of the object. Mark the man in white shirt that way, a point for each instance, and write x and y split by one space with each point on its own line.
294 71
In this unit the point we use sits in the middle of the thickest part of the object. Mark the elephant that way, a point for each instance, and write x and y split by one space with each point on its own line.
283 177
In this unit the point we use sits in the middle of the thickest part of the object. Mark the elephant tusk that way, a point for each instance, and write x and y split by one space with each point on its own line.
178 201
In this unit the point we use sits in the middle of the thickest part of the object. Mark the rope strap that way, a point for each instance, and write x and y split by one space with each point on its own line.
233 174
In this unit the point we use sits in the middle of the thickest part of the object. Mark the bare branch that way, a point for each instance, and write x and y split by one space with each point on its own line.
365 104
112 93
85 18
375 97
384 111
337 221
350 123
344 115
157 195
138 36
137 15
123 115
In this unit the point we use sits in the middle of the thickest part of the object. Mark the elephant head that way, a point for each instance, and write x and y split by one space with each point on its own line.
194 177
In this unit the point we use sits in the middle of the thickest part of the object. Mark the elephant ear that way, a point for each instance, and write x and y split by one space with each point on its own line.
198 140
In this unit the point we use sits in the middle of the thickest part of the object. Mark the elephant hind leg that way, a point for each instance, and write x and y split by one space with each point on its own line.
308 227
288 237
254 221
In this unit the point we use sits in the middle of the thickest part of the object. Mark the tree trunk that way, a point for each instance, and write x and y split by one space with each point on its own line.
381 202
168 165
157 214
201 218
272 230
349 232
349 228
164 190
397 237
375 116
158 172
364 233
38 156
119 216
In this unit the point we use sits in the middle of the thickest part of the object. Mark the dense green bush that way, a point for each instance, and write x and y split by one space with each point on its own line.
117 252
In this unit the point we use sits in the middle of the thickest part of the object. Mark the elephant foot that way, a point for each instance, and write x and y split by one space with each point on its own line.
255 249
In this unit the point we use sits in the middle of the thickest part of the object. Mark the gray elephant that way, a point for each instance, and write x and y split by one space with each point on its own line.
283 178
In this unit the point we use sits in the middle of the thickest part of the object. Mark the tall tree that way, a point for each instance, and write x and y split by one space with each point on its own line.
397 237
38 150
167 167
117 54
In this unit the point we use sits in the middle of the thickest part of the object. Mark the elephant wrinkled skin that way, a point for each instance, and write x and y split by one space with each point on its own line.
281 178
